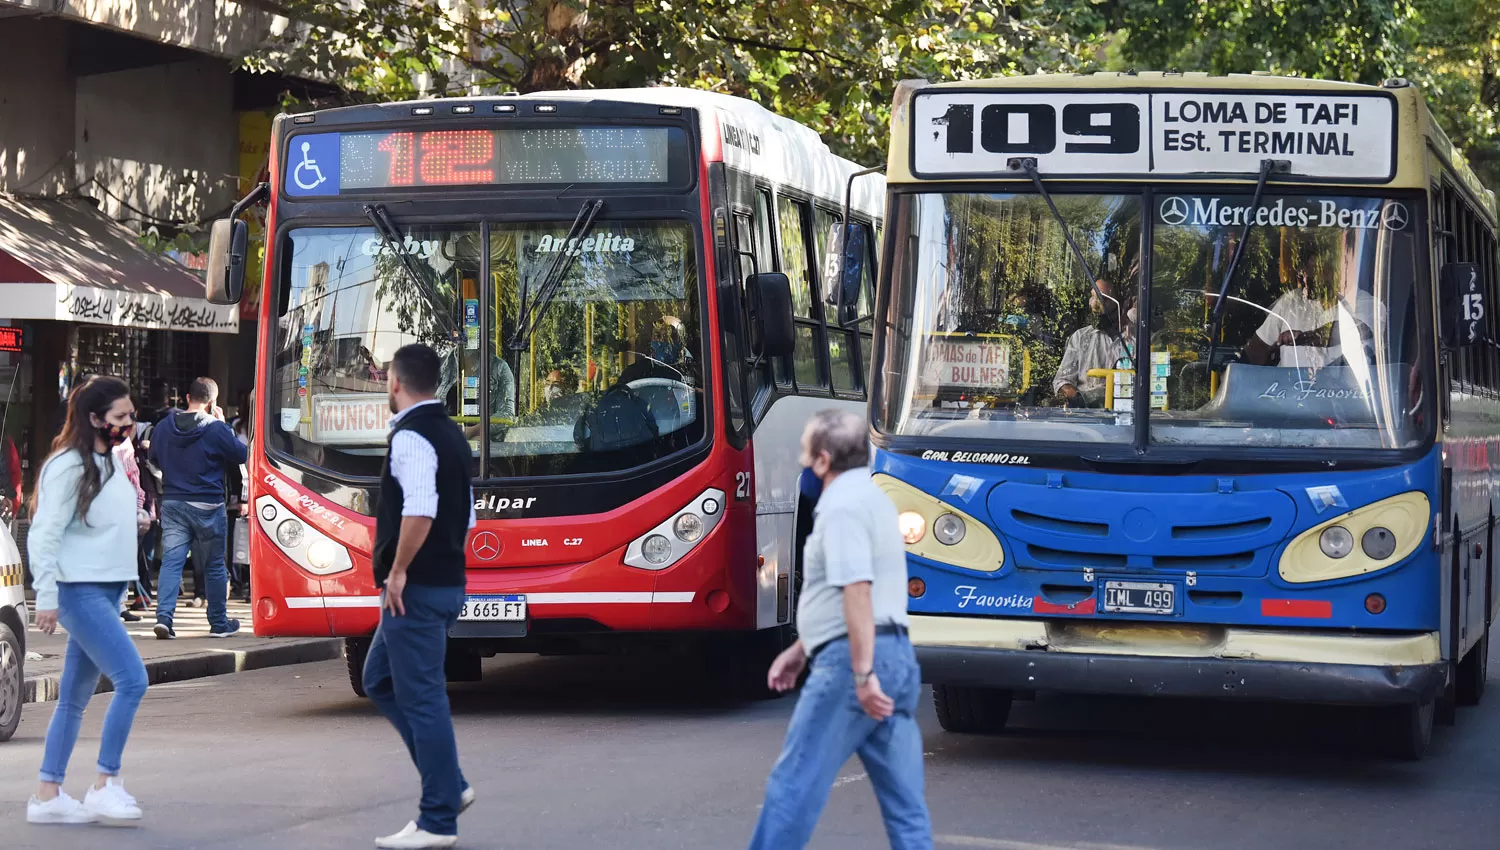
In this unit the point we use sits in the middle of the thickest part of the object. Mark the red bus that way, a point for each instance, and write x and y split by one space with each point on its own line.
629 289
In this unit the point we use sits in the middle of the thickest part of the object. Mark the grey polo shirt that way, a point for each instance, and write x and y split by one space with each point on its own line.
855 538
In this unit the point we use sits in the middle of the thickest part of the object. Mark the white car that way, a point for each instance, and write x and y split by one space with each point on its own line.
13 620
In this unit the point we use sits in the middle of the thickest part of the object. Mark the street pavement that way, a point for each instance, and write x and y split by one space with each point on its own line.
191 655
627 754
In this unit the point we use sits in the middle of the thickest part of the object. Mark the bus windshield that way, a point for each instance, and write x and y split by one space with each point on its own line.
610 379
996 334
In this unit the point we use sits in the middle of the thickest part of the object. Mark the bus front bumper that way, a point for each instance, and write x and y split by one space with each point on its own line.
1144 659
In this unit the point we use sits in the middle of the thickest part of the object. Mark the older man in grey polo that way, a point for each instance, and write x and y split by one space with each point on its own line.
861 696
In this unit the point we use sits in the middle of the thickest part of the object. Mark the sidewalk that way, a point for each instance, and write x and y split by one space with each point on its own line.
192 655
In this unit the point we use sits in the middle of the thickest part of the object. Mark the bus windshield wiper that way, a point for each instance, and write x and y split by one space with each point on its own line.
391 238
1028 165
534 307
1216 319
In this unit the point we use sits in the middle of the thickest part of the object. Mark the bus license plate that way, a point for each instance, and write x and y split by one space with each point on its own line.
1140 597
504 608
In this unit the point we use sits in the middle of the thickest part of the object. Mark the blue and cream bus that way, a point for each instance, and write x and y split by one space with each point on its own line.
1186 386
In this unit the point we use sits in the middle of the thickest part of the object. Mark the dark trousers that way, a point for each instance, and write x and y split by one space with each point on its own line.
404 678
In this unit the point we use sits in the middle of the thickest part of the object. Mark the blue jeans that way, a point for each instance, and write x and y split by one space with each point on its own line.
183 526
405 678
97 642
827 727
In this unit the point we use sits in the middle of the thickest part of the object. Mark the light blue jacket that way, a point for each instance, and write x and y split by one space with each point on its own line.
61 548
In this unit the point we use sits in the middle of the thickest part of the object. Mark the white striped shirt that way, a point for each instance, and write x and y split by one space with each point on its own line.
414 465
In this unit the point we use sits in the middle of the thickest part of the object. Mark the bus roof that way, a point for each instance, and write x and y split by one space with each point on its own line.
1417 150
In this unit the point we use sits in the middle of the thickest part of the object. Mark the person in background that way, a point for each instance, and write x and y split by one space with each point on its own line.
425 512
83 526
238 499
10 480
861 695
192 449
125 454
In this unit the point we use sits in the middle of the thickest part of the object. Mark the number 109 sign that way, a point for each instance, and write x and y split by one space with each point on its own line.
1167 133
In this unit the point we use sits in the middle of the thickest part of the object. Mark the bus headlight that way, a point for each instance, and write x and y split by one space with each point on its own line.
657 549
688 527
1336 541
672 539
1378 543
309 548
322 554
913 526
1387 532
289 533
949 530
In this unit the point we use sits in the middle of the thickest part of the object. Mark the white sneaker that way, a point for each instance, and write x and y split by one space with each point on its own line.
59 809
466 799
112 805
412 838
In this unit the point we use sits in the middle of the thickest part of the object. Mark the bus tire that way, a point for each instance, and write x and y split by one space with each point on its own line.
974 711
12 681
1405 731
1472 673
355 652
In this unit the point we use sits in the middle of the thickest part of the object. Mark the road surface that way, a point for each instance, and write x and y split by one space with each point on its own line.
577 753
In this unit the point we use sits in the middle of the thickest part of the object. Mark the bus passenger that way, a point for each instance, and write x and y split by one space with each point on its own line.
1108 344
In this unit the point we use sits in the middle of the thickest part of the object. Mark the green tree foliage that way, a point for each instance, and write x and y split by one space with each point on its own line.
831 65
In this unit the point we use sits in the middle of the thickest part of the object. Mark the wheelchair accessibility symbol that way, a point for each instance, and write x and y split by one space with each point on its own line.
309 167
313 165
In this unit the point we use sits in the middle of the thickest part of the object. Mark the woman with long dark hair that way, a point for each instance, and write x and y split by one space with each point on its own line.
81 545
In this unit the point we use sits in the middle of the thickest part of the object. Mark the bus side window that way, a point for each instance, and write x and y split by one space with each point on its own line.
750 260
795 247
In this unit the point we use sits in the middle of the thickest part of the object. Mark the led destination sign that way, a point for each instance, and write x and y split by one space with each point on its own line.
323 164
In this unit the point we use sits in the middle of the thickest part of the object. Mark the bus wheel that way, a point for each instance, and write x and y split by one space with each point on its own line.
12 681
969 710
355 650
1404 731
1472 672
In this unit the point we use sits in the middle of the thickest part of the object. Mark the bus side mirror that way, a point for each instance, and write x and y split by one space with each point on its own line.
773 313
852 267
1461 305
228 242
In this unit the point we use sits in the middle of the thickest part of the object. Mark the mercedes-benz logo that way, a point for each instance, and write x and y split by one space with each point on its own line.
1174 211
485 546
1394 216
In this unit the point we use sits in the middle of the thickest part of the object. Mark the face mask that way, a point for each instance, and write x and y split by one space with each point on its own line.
116 434
810 484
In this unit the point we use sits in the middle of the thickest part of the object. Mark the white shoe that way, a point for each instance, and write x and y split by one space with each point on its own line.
466 799
412 838
59 809
112 805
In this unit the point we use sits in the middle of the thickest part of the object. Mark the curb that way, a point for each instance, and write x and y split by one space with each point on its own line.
197 665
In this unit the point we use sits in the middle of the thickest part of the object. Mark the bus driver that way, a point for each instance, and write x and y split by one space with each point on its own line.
1306 323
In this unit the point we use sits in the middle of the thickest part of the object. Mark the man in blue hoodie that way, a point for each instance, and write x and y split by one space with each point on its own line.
192 450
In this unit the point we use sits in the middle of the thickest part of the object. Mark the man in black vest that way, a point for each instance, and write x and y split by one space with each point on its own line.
425 513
